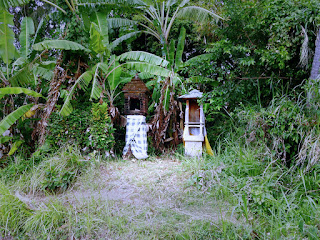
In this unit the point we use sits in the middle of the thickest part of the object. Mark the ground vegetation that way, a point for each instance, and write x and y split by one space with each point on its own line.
62 67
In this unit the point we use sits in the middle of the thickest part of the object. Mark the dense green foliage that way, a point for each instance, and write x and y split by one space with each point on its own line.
88 127
252 61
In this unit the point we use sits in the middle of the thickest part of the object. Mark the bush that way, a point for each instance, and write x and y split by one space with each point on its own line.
89 127
71 129
101 129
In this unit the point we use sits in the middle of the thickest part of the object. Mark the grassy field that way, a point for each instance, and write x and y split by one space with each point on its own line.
152 199
236 194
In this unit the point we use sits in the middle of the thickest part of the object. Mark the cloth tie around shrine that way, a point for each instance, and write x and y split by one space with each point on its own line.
136 136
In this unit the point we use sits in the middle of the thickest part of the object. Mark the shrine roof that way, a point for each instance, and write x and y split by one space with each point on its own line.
194 94
135 85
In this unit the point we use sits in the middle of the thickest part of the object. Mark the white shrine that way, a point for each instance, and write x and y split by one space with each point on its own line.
194 125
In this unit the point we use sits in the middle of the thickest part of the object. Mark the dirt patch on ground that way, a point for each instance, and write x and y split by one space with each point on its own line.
145 196
156 185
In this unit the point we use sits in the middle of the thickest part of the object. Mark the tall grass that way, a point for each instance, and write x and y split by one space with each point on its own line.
270 171
54 173
13 212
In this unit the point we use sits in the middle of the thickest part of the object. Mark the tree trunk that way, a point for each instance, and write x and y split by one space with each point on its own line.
164 119
53 95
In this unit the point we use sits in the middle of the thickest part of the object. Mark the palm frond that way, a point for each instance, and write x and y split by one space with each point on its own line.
27 29
149 68
83 82
43 72
22 77
18 90
125 37
143 57
199 58
120 22
59 44
9 120
111 2
6 4
197 14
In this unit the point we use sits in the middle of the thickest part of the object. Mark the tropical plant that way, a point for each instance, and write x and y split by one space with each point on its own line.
107 74
28 68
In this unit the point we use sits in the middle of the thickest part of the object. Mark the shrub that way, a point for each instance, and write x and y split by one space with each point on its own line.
71 129
101 129
89 127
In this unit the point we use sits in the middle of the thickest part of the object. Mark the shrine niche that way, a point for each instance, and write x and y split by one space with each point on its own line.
135 97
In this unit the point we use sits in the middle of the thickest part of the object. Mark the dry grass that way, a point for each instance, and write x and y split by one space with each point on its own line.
132 200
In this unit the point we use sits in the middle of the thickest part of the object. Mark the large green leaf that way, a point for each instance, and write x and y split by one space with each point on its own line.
27 29
7 122
6 4
18 90
172 50
43 72
36 35
96 39
180 48
96 87
125 37
114 77
83 82
7 48
150 68
198 59
102 23
23 77
111 2
59 44
197 14
120 22
143 57
4 139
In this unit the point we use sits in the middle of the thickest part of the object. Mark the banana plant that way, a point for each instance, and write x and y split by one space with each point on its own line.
107 74
23 111
158 17
24 67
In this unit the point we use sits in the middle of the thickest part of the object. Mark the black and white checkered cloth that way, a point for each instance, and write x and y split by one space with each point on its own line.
136 136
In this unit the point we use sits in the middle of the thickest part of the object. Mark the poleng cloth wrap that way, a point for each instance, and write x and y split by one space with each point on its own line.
136 136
